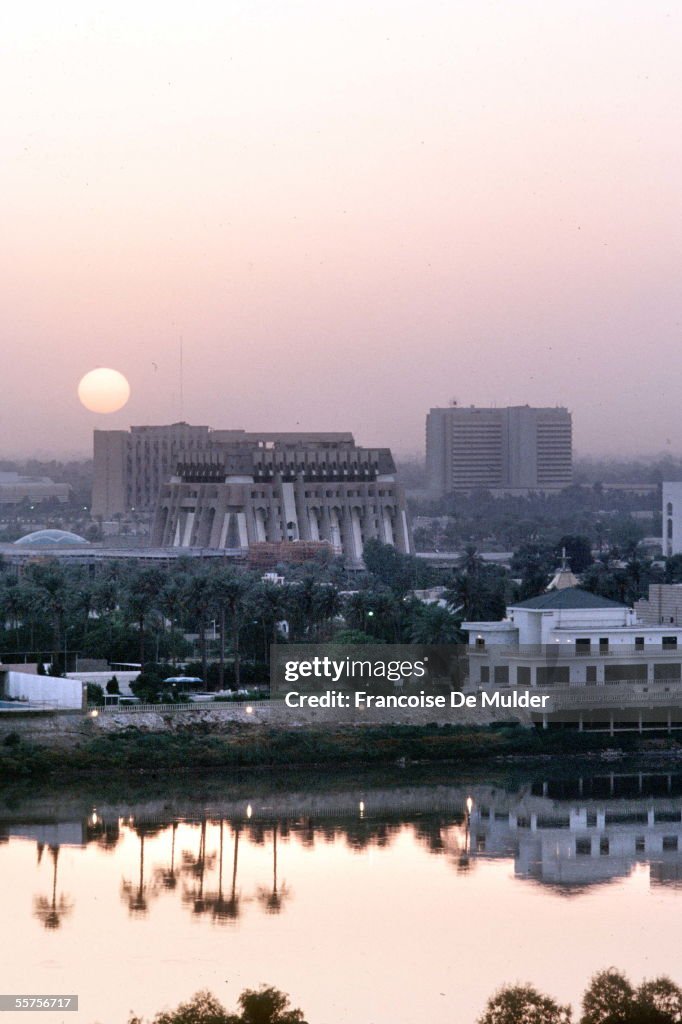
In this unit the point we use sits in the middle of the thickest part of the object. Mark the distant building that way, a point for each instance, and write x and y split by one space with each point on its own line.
321 491
663 606
16 488
507 450
671 494
131 465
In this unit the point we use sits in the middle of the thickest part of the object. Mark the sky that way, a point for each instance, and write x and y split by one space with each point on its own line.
343 213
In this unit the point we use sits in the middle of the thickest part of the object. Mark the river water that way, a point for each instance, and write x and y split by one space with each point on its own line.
370 898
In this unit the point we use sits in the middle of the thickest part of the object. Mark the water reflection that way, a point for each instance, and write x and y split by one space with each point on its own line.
137 894
567 835
51 910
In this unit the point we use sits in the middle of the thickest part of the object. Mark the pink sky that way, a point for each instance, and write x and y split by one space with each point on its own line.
350 212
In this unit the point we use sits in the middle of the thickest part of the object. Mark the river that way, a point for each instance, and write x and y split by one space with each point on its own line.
378 898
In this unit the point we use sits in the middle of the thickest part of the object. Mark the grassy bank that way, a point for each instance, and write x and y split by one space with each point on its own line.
244 747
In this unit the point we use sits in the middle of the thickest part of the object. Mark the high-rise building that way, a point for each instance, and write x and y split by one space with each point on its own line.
130 465
672 517
508 450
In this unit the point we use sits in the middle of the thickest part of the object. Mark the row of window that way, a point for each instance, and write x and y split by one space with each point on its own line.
548 675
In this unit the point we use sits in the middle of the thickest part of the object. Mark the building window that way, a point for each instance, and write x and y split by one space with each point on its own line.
625 673
582 646
640 844
485 674
662 671
670 844
603 645
639 643
583 847
523 675
548 675
480 642
669 642
501 675
590 673
604 846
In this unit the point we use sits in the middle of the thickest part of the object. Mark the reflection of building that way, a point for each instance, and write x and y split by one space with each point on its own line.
600 835
517 449
672 518
279 489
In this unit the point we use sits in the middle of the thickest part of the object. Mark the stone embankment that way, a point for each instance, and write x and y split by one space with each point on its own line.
70 728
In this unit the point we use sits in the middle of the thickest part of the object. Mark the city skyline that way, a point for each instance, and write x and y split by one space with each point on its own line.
346 216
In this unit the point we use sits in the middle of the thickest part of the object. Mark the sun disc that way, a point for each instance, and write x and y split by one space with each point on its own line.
104 390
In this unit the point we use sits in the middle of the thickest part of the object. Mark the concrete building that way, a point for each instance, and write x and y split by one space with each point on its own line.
570 637
16 488
508 450
671 493
131 465
283 488
663 605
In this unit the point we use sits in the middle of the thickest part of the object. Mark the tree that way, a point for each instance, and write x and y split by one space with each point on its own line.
608 999
267 1006
523 1004
228 590
431 624
659 1002
258 1006
578 551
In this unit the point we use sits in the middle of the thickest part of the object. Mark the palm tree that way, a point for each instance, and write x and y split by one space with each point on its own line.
228 590
431 624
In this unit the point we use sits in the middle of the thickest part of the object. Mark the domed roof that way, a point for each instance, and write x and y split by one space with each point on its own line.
50 538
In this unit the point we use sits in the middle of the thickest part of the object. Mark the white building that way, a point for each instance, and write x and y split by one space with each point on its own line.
571 637
672 518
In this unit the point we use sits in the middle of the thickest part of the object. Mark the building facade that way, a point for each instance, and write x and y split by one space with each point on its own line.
264 489
18 488
131 465
570 637
507 450
671 493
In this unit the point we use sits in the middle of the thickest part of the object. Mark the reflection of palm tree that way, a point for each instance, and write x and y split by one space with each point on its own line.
169 876
50 911
136 895
197 866
225 908
273 900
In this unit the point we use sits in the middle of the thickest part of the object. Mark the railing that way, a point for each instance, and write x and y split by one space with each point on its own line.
609 696
128 709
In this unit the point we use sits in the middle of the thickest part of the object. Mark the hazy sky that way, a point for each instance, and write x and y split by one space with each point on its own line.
349 211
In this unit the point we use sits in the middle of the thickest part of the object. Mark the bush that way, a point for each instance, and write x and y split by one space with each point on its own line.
95 694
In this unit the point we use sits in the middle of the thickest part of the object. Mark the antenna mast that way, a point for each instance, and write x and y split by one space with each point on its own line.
182 394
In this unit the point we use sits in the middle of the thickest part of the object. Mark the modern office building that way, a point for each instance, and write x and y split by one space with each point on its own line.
265 489
508 450
131 465
671 493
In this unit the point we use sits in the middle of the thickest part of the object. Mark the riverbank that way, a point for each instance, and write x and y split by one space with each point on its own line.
244 746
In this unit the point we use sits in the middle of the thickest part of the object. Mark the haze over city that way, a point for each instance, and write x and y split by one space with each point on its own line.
348 213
